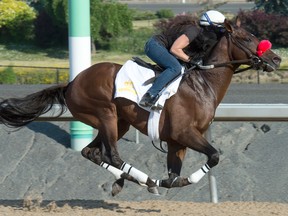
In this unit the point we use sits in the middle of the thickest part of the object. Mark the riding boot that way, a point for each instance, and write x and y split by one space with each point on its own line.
152 95
148 100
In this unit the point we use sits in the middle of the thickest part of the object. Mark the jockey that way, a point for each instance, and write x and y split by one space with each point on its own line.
167 49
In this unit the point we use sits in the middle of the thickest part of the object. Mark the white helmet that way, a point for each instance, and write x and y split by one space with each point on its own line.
212 17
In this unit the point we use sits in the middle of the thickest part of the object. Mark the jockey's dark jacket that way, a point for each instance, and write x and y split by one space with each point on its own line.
167 39
201 40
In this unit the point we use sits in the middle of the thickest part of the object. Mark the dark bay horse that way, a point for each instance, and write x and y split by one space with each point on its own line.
184 118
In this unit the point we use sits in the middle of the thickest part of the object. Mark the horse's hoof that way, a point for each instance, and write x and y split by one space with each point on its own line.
117 186
153 190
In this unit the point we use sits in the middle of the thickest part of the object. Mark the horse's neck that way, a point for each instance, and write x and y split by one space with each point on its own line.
219 78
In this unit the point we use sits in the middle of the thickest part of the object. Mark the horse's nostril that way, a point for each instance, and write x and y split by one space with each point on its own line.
276 60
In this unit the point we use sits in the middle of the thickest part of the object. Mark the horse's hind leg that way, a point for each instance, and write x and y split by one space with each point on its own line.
130 172
93 151
96 154
123 126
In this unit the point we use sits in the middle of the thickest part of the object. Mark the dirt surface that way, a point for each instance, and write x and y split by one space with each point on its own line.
103 208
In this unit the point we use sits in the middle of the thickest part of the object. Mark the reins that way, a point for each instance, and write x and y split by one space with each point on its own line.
161 149
252 59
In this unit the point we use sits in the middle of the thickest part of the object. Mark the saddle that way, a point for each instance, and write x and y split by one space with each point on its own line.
145 64
158 70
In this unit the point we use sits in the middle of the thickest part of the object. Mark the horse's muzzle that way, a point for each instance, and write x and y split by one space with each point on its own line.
271 65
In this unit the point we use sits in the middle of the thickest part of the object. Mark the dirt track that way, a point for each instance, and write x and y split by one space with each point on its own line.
103 208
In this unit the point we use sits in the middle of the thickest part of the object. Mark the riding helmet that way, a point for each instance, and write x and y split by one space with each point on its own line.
212 18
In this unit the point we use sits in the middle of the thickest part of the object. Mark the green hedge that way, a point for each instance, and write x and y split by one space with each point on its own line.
12 75
133 42
7 76
266 26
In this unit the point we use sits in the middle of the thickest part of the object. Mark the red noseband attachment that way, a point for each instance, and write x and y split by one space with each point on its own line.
263 46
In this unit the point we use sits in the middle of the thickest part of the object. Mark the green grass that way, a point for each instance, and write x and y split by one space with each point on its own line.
25 56
117 57
144 23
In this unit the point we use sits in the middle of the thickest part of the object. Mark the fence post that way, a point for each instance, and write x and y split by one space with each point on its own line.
57 75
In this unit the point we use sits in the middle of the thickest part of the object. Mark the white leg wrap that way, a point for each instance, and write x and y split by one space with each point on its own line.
116 172
196 176
137 174
157 182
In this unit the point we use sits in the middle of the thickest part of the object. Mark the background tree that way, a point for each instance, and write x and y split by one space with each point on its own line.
51 25
268 20
273 6
109 20
16 21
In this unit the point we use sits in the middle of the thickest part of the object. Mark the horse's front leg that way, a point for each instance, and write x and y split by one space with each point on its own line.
196 142
175 157
200 144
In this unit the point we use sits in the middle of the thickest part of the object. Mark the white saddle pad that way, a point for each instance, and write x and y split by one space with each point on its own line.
129 83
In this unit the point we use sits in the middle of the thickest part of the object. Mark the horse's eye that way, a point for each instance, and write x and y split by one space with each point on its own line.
247 39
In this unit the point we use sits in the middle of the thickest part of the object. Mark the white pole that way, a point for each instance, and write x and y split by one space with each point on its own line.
213 188
79 59
211 178
137 136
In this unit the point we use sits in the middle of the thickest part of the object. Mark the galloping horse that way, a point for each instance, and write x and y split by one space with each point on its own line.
184 118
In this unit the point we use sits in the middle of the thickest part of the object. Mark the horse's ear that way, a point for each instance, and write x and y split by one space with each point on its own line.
238 21
228 26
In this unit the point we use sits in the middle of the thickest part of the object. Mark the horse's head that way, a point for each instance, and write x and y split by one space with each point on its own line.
244 45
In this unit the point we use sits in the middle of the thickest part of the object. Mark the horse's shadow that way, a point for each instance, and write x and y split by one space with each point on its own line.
85 204
51 130
50 205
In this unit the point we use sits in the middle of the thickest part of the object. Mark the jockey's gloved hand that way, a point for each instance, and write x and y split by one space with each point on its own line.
196 61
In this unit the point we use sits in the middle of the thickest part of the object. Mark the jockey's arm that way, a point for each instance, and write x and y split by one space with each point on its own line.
177 48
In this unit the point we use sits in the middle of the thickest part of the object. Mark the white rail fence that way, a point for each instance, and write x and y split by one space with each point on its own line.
224 112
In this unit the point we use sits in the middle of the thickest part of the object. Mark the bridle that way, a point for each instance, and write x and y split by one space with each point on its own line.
252 59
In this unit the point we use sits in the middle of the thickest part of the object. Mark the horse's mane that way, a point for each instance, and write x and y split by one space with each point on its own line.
174 24
203 45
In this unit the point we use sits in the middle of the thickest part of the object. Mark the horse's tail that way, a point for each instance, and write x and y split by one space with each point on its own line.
17 112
